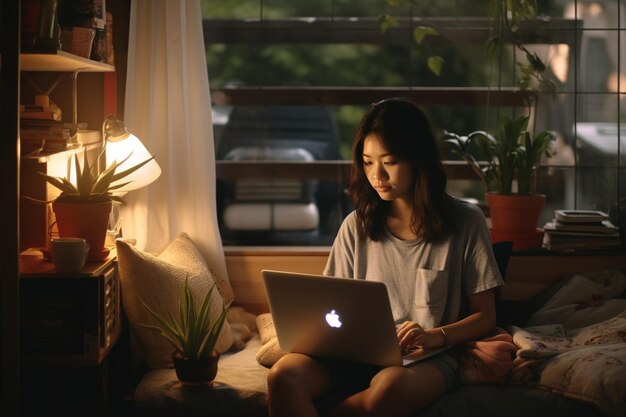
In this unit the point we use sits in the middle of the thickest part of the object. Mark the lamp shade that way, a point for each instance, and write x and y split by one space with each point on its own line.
120 149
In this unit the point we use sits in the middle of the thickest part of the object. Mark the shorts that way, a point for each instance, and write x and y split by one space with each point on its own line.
447 365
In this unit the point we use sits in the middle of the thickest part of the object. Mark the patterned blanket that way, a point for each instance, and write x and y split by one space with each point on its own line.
575 345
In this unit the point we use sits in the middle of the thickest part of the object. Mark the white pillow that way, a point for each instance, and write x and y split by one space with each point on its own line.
157 280
583 300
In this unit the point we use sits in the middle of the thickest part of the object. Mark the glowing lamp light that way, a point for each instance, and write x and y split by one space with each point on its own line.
119 144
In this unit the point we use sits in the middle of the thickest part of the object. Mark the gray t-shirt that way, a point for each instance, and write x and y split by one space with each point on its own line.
427 283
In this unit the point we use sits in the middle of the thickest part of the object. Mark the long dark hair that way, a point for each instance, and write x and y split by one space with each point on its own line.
406 133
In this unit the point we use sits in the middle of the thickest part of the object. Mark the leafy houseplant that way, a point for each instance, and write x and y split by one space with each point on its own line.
82 210
512 154
193 335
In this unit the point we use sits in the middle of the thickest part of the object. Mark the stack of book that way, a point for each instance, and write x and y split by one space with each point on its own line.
41 128
580 229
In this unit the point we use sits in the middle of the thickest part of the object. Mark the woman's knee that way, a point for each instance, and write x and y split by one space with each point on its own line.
400 391
295 371
284 372
386 388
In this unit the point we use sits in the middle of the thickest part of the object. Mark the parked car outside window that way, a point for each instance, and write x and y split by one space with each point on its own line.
278 211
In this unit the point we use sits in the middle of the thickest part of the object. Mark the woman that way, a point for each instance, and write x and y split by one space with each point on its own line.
430 249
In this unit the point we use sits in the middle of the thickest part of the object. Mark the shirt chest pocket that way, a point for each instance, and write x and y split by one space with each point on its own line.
431 289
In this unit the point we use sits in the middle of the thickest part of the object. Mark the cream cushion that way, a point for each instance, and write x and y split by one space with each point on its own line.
270 350
157 280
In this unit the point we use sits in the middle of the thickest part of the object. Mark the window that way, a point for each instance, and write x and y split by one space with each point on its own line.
290 79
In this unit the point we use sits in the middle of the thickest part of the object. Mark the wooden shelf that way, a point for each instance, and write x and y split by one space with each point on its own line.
44 157
32 263
60 61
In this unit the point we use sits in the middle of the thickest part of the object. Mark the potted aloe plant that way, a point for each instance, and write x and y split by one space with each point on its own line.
509 157
82 210
193 335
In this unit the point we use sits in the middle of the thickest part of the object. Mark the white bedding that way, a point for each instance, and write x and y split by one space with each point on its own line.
576 345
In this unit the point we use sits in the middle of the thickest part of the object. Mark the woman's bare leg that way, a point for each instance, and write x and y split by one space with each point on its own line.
395 391
292 384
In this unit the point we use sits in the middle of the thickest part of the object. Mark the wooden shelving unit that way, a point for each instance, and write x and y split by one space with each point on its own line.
35 219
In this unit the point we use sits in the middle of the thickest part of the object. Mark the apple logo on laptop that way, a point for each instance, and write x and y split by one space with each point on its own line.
332 319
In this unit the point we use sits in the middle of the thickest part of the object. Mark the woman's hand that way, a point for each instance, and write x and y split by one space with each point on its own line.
412 336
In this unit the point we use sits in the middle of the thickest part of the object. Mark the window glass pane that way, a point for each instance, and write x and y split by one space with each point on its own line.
472 189
598 60
558 59
558 184
556 113
597 107
598 143
599 14
333 58
596 189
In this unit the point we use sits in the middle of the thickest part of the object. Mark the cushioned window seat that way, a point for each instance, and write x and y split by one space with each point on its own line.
240 390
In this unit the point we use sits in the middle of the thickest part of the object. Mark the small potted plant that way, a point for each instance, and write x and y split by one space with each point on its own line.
82 210
193 335
511 156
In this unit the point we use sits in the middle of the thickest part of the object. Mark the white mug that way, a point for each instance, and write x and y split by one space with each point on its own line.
69 254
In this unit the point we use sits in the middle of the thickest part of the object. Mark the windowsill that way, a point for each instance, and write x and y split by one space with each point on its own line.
276 250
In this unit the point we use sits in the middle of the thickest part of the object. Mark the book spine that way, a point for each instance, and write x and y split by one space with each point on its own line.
33 111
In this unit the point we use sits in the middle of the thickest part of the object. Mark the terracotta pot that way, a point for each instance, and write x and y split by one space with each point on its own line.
193 371
514 218
515 213
88 220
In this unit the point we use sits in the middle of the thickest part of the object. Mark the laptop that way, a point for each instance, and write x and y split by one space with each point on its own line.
339 318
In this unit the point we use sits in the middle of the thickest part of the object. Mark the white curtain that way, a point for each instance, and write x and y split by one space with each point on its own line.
168 106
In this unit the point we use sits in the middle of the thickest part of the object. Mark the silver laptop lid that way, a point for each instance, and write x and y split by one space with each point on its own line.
338 318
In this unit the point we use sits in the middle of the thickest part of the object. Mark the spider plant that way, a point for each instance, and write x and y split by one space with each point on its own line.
194 333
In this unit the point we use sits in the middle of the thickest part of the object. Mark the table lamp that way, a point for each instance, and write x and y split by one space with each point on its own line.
119 144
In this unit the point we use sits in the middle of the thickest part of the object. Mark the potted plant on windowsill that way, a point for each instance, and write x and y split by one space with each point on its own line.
193 335
82 209
509 157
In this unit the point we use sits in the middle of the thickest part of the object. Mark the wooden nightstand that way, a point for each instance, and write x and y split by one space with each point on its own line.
70 325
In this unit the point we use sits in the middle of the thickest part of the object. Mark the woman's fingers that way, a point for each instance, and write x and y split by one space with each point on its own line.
409 334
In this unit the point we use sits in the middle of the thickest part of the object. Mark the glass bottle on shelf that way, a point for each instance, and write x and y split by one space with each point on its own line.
48 32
